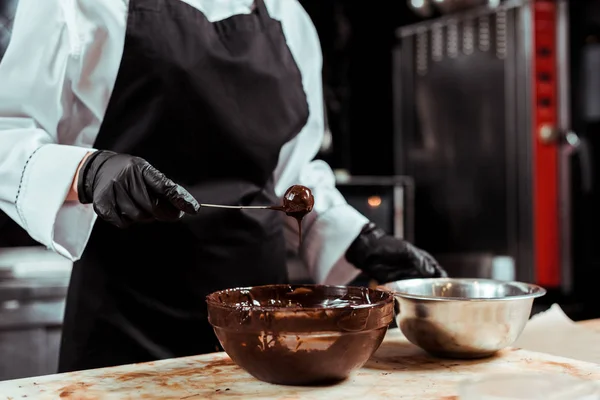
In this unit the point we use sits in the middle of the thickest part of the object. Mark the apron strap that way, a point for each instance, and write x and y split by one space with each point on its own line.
147 5
261 10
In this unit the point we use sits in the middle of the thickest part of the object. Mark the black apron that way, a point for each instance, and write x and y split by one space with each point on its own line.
210 105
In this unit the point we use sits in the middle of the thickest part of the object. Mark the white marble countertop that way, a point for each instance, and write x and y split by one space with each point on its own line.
398 370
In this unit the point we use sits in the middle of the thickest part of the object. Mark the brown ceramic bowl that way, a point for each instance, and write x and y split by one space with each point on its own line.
300 334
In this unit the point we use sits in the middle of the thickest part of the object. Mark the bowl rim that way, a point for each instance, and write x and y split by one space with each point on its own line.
380 303
536 290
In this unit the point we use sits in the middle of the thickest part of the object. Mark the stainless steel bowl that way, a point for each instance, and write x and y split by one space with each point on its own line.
462 318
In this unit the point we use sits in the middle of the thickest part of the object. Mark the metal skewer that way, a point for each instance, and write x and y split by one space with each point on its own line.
240 207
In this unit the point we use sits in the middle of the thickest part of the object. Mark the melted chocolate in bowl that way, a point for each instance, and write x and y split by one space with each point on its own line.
300 334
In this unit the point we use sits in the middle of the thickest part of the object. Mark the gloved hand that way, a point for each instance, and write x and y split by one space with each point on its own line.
125 189
387 259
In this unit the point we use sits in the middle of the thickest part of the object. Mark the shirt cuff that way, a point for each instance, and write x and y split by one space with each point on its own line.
64 227
325 245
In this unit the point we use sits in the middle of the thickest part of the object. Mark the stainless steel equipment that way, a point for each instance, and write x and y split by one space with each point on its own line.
425 8
33 287
482 123
387 201
463 318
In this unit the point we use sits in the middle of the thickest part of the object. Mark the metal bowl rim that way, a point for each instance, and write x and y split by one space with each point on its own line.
536 291
389 299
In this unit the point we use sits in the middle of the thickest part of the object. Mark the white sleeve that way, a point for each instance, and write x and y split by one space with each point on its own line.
36 171
334 224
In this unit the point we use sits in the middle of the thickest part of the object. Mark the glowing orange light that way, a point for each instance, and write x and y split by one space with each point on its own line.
374 201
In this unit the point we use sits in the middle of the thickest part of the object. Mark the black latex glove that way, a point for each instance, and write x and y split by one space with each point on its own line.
386 258
126 189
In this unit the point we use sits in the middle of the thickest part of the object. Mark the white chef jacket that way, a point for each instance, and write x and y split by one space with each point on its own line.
56 80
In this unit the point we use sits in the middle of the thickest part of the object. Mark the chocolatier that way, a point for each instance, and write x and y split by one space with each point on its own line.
119 118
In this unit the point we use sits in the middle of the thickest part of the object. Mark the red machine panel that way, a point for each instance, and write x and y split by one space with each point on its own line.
545 152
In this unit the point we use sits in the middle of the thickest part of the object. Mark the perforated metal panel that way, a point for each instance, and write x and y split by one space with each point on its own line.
463 132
